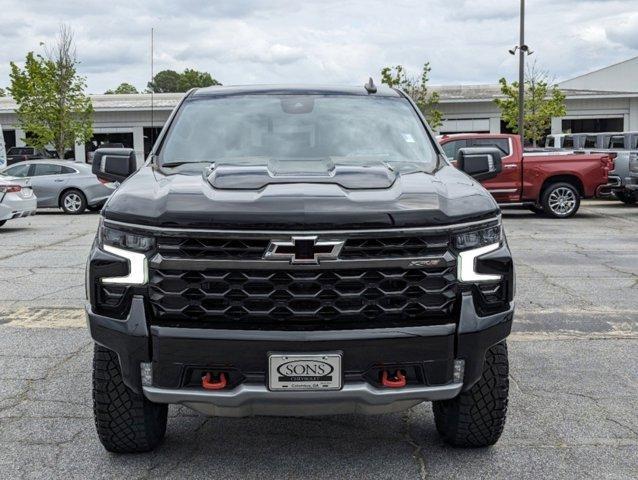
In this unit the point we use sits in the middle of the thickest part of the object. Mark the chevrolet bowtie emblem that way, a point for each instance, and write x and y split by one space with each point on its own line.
305 249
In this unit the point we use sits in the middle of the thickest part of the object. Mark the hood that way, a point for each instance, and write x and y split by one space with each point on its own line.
235 197
369 175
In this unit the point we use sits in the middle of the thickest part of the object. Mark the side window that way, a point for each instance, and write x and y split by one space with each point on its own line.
19 171
452 148
590 141
20 151
617 141
42 169
568 141
67 170
503 144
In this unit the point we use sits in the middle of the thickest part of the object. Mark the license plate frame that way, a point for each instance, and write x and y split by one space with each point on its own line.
310 372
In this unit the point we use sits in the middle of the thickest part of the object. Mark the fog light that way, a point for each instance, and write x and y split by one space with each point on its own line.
146 372
459 370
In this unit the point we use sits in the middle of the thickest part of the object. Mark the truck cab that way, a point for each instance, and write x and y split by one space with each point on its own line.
299 250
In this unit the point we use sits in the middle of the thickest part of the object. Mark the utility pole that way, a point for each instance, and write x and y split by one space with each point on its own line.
153 88
522 50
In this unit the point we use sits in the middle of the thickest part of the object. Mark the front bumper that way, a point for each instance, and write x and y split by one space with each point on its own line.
177 354
252 399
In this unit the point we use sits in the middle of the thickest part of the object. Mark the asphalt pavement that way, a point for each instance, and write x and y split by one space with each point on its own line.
573 409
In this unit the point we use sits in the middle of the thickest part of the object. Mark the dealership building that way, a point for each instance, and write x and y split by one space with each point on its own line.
599 101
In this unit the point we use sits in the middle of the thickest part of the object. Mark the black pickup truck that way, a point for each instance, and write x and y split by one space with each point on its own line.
298 251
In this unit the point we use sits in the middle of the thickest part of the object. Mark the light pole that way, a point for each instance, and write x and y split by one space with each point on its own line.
522 51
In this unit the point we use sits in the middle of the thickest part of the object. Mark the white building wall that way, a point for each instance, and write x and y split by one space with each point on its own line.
464 116
632 124
621 77
588 108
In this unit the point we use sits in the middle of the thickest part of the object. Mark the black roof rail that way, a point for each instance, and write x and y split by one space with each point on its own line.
370 86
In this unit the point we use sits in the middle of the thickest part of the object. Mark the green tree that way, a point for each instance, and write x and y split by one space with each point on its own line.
543 100
417 89
195 79
172 81
2 94
164 82
122 89
52 105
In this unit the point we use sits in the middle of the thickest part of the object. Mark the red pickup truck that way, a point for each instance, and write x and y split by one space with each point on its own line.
549 183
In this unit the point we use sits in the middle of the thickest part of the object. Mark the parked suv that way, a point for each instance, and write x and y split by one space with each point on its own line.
18 154
298 251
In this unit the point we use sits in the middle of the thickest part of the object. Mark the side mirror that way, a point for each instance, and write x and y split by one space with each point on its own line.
114 164
482 163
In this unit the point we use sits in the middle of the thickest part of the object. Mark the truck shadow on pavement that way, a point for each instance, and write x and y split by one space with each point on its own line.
348 446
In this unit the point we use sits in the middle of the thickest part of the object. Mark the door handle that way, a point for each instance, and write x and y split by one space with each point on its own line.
58 180
510 165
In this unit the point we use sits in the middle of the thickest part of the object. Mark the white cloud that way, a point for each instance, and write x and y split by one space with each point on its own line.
323 41
625 31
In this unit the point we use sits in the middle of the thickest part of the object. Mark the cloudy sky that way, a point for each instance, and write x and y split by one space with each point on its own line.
327 41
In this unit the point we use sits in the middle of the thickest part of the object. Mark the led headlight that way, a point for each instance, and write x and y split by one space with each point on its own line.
130 247
129 241
472 245
478 238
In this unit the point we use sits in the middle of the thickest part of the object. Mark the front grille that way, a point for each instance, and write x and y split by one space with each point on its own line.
392 247
254 249
303 299
212 248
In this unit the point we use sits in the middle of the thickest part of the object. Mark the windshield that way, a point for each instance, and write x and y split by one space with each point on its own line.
254 129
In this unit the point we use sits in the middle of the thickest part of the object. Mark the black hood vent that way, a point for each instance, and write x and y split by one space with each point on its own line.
255 177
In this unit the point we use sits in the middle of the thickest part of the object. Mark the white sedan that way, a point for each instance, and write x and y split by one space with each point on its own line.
17 199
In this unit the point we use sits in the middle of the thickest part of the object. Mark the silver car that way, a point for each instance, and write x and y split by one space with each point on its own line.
65 184
16 199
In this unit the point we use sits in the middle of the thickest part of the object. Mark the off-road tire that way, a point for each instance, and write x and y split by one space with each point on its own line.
476 417
546 199
126 421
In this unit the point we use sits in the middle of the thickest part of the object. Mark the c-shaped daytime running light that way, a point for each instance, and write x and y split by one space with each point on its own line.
138 267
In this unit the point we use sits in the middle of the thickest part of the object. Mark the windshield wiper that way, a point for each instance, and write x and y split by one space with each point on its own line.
184 162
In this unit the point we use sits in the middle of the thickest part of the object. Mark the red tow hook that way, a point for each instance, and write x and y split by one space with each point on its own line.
397 381
209 384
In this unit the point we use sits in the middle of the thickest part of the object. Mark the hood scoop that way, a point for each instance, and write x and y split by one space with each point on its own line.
254 177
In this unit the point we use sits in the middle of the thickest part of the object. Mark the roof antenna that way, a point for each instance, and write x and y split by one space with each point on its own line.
370 86
152 89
